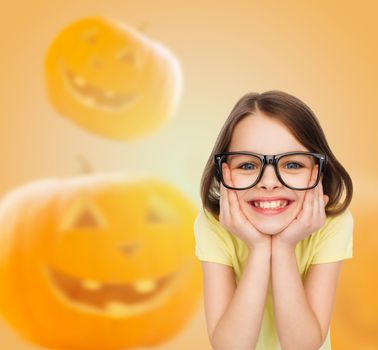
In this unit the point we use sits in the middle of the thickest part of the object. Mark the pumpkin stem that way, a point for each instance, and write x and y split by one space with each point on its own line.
86 166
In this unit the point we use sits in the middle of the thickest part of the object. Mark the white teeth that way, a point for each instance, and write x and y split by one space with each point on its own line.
115 308
90 284
79 81
273 205
141 286
144 286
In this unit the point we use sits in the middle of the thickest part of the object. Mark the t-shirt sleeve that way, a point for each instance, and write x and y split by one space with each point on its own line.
336 239
210 241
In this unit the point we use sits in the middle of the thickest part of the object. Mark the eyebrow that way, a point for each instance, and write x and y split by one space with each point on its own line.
240 150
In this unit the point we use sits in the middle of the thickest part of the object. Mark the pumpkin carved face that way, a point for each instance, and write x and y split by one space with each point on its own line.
110 79
97 261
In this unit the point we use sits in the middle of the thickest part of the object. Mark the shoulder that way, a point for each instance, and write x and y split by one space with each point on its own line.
206 221
213 242
341 222
206 218
333 241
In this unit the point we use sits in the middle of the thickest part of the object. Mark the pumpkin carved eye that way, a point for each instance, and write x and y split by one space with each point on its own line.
86 219
82 215
129 56
126 55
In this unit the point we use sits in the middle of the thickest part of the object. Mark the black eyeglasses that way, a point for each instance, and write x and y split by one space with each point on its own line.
293 169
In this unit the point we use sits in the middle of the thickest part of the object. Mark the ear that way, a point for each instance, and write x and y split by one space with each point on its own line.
325 199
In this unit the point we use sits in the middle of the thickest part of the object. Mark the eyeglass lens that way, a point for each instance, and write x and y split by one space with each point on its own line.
295 170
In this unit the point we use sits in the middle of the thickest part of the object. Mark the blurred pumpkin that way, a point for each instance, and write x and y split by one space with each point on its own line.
355 319
101 261
111 79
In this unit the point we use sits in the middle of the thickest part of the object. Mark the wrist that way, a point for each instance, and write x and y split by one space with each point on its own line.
261 248
280 246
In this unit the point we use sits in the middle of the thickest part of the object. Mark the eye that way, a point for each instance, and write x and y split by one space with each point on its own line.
296 165
130 56
86 219
251 164
83 215
126 55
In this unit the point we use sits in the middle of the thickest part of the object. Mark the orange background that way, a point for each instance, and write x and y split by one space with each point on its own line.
323 52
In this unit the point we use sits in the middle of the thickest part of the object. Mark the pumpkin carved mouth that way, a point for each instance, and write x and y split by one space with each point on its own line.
94 96
115 299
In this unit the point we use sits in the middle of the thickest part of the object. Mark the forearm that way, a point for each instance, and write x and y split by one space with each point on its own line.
239 326
297 325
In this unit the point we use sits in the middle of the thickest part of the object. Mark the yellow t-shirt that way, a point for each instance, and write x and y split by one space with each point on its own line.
332 242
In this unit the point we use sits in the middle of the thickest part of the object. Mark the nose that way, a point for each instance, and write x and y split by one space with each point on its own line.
269 180
96 62
130 248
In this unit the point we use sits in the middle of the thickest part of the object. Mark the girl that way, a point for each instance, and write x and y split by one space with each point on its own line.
273 230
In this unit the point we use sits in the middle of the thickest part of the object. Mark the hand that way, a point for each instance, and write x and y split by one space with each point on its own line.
233 219
311 218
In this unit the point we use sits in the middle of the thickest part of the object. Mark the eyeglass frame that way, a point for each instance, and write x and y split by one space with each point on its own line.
266 159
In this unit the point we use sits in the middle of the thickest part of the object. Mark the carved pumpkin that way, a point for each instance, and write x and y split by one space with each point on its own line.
97 262
111 79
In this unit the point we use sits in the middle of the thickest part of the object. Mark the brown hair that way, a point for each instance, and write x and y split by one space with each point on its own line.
303 124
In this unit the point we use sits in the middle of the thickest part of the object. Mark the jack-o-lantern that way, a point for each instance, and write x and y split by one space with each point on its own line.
98 261
111 79
355 320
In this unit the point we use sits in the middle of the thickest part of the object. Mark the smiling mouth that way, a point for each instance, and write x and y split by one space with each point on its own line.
115 299
94 96
271 205
270 209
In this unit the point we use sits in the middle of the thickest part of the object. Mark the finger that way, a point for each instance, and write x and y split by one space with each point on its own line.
326 199
308 203
224 195
235 210
316 199
221 198
320 201
231 193
237 215
320 210
323 200
306 212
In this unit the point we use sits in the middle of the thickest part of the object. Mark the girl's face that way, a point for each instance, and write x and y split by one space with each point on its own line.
260 134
